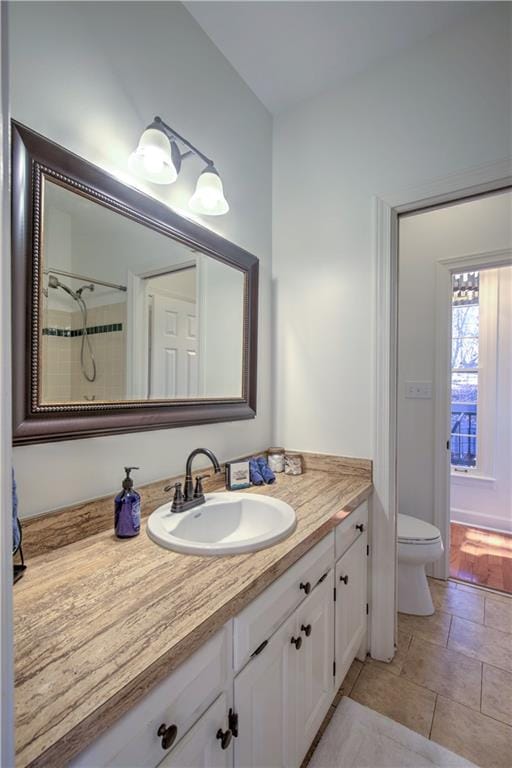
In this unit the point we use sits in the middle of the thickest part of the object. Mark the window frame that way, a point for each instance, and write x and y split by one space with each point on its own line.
455 468
488 303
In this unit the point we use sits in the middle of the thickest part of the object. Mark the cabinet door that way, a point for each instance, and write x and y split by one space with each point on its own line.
351 617
315 680
201 748
265 704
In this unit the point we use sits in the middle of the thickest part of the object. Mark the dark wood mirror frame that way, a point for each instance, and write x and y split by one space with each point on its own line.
33 158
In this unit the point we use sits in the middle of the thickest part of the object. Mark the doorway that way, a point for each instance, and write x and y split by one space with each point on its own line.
461 246
171 301
164 359
388 208
481 417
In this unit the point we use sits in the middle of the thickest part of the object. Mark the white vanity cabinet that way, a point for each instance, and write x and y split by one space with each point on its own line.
256 693
284 692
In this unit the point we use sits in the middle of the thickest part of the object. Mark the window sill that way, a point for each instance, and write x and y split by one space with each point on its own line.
471 478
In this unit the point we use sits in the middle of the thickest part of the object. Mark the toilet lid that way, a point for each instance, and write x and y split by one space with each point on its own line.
413 530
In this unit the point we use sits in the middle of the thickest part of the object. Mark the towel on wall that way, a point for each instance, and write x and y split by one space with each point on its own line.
16 530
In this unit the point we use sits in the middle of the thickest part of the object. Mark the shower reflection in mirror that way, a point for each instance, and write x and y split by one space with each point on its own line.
72 316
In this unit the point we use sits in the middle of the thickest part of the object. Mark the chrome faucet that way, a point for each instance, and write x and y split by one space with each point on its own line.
191 496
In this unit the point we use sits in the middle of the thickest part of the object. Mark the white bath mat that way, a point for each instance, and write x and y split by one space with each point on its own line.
358 737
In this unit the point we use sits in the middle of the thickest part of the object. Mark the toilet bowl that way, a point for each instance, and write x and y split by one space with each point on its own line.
419 543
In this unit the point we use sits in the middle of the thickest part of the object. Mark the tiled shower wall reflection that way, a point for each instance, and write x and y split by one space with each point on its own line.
62 377
55 365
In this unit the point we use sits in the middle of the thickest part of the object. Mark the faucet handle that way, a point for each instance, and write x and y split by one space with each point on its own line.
198 490
177 501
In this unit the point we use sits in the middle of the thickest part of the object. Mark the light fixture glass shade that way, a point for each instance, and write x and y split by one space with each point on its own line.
153 158
208 199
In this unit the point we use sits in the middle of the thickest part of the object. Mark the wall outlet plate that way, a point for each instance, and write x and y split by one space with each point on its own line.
421 390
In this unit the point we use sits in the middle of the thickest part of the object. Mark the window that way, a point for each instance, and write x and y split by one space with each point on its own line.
465 369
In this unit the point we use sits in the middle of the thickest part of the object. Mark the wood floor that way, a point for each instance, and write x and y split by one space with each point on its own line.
481 557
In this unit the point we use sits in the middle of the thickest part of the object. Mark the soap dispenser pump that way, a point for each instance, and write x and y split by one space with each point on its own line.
127 509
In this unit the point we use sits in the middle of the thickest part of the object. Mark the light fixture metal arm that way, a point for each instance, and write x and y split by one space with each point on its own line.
172 134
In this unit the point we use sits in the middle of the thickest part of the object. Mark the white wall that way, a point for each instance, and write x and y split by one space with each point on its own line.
57 240
439 109
221 312
91 76
477 226
91 240
181 284
6 634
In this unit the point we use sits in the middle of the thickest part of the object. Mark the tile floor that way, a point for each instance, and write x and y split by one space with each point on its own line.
451 678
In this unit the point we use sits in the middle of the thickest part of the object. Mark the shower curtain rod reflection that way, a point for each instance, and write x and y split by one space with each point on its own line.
63 273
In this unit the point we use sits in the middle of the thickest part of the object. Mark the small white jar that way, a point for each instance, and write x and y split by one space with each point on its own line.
276 459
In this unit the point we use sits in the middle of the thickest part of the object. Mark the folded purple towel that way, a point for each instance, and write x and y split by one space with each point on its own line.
254 472
265 471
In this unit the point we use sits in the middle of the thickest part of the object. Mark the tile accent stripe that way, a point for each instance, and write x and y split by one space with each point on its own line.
91 330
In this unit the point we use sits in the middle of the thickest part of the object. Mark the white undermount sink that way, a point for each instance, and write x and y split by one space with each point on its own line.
226 524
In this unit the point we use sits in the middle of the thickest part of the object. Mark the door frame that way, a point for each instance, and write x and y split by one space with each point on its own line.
442 389
387 209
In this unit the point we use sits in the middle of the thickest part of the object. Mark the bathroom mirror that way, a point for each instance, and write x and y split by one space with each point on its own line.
127 313
126 316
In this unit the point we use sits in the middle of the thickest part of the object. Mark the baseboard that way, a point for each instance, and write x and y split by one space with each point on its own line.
487 522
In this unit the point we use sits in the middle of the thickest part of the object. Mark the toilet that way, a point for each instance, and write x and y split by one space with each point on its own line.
419 543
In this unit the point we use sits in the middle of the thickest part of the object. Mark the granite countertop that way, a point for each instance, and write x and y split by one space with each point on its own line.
100 621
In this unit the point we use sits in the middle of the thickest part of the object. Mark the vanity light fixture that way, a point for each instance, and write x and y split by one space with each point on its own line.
158 159
209 195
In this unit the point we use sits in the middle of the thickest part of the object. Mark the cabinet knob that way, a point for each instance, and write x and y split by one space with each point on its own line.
297 642
344 579
225 738
360 527
168 735
306 629
306 587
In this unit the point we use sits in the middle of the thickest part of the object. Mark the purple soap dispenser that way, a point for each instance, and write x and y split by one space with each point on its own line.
127 509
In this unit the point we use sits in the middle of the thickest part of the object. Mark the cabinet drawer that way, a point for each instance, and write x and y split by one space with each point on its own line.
267 612
348 531
179 700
